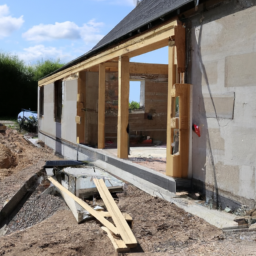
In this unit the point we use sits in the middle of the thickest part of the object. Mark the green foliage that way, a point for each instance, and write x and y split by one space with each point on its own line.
43 68
19 83
134 105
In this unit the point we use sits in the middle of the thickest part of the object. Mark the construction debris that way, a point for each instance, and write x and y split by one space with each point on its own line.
121 226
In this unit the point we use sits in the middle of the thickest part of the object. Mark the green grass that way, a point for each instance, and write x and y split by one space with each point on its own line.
9 118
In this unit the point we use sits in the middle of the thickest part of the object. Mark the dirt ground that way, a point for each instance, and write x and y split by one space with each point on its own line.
156 163
160 227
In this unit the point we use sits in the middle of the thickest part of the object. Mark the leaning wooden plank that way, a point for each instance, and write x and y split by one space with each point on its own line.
94 213
119 245
126 215
121 224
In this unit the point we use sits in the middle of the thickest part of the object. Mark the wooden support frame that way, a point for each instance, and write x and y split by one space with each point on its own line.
135 68
101 106
148 41
123 107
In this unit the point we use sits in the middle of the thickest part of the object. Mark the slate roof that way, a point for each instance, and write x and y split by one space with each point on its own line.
143 15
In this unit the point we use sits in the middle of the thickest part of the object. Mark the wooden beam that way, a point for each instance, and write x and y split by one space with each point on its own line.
123 107
180 41
148 41
136 68
121 224
101 107
145 68
93 212
80 127
118 244
172 161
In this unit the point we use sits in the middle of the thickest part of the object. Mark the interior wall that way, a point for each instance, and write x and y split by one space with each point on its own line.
222 64
91 106
155 105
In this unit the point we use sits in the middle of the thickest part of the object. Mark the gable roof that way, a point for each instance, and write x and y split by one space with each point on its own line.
142 17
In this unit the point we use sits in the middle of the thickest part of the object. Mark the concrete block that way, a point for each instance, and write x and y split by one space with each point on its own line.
244 146
216 141
223 104
240 70
71 90
210 76
227 177
247 182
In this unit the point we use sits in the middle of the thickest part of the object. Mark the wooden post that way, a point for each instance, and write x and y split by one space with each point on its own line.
101 107
172 161
80 119
123 106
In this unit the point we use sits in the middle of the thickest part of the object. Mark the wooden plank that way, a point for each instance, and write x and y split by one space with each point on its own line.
122 226
101 106
127 216
94 213
118 244
123 107
148 41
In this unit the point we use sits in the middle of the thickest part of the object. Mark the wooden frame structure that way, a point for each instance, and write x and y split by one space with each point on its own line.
170 34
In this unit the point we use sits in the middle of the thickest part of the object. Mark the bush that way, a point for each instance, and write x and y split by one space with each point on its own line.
134 105
19 83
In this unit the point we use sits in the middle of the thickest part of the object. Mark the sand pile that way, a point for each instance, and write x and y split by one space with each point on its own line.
7 158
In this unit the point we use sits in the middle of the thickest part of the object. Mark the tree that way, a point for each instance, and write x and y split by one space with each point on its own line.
19 83
44 68
134 105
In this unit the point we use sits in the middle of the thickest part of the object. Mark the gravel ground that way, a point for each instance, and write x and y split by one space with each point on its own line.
36 209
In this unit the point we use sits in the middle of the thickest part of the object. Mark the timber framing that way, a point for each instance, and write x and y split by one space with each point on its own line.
135 68
148 41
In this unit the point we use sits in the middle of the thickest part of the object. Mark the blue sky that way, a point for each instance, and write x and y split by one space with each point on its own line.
40 30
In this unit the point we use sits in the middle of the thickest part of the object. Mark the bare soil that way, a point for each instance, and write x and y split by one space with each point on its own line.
160 227
156 163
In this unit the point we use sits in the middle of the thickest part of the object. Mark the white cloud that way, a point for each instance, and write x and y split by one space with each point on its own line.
8 24
89 32
40 52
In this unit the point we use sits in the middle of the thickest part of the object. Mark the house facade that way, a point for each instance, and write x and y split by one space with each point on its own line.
211 71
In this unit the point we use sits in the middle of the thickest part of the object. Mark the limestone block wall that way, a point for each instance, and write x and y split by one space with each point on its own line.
155 104
66 129
222 69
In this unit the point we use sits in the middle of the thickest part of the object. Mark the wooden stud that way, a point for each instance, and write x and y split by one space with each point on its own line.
180 40
123 107
80 105
93 212
118 244
121 224
101 107
148 41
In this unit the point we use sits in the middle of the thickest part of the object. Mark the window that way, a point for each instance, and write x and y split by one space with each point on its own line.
137 94
41 101
57 100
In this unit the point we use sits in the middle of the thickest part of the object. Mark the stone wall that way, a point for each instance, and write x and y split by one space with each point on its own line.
221 66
